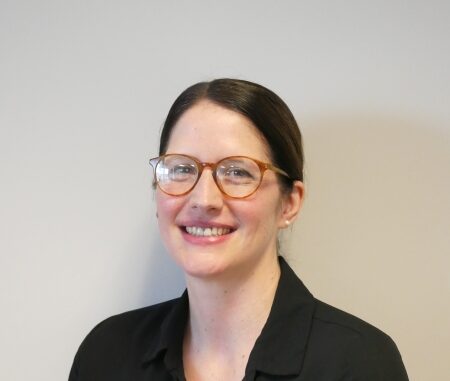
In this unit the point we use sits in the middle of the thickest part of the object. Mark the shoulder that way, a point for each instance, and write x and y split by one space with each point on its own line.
118 340
338 323
122 323
367 352
127 325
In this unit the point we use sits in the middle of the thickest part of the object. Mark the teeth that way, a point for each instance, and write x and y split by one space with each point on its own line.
206 232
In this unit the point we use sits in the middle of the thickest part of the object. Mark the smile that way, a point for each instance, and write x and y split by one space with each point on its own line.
206 232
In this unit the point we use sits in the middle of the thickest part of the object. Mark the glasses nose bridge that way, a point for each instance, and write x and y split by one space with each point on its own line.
212 166
207 164
204 186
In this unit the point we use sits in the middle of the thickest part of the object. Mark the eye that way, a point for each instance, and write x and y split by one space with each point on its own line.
236 175
182 169
238 172
181 172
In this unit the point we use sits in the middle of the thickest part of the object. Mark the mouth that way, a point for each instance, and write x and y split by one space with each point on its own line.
212 231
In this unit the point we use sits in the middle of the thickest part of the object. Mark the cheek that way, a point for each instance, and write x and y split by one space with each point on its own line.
261 216
167 209
166 204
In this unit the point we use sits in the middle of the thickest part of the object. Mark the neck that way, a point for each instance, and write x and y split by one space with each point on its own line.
228 314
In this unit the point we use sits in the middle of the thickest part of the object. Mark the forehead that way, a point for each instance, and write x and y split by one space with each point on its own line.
211 132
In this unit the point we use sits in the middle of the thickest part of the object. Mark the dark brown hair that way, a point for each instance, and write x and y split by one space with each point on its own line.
266 110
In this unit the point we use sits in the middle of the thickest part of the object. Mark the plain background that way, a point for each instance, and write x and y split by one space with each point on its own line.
84 89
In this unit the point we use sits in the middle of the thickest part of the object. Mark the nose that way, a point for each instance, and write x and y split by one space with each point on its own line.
206 195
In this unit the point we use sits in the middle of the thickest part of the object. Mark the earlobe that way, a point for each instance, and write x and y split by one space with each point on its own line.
292 203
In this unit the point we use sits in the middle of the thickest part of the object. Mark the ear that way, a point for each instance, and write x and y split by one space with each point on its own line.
291 205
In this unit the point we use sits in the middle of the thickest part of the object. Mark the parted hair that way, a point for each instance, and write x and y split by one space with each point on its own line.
266 110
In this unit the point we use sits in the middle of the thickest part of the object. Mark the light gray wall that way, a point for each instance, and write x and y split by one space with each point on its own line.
84 89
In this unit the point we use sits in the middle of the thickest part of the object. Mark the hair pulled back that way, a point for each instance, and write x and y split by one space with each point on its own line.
266 110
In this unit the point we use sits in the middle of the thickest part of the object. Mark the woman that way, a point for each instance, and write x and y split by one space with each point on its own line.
228 179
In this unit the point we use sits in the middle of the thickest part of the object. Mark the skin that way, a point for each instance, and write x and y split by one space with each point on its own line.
231 279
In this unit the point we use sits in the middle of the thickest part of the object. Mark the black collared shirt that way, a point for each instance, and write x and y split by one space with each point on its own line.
303 339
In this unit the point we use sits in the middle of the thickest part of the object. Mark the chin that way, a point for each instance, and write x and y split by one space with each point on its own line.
205 267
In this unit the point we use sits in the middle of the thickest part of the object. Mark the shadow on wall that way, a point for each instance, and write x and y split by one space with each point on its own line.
373 235
375 185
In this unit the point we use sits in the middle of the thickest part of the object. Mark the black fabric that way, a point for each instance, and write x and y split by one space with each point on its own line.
304 339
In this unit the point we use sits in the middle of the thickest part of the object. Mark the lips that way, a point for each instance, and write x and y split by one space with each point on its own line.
212 231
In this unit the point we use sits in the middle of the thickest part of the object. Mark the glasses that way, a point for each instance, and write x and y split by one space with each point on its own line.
235 176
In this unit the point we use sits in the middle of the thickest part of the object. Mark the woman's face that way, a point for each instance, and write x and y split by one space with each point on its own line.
210 132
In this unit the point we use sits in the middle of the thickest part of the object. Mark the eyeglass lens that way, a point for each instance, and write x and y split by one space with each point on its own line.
236 177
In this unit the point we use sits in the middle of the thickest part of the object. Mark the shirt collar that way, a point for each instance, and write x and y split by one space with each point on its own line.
169 342
279 350
281 347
